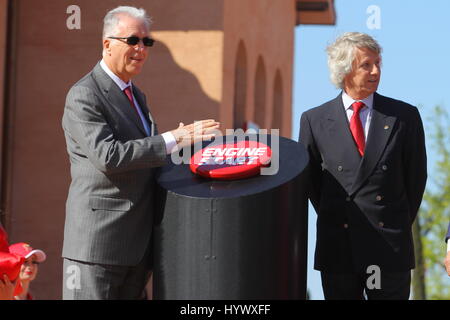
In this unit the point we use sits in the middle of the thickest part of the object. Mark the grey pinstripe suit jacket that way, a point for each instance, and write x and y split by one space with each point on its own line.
109 211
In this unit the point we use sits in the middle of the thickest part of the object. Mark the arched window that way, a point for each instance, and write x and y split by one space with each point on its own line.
240 87
277 111
260 94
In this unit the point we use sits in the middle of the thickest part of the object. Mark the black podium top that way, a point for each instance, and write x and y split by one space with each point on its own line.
179 179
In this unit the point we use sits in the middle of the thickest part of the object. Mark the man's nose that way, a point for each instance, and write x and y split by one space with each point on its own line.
375 69
140 46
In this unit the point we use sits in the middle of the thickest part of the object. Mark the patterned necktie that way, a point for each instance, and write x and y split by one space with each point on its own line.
356 127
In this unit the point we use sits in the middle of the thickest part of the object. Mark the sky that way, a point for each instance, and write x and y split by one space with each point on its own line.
415 37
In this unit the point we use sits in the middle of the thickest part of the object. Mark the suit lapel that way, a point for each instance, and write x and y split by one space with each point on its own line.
117 98
340 143
339 130
142 103
380 130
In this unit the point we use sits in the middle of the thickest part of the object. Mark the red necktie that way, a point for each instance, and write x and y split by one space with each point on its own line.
146 123
127 91
356 127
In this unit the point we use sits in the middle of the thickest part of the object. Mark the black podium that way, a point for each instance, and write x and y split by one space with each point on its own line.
240 239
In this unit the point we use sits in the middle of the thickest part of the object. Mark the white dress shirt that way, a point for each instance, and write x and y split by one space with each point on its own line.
365 114
168 137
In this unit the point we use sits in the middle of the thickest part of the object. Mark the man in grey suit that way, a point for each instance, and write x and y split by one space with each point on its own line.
114 148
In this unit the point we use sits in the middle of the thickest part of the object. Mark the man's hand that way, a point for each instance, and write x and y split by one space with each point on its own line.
7 288
447 263
195 132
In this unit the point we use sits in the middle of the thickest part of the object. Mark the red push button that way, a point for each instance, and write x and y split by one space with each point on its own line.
231 161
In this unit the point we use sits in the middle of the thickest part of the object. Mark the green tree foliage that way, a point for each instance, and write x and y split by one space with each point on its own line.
434 215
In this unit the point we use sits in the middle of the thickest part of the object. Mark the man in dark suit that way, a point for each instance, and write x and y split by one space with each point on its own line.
368 174
114 148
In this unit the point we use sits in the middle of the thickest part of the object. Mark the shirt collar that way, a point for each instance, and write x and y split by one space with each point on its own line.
348 101
120 83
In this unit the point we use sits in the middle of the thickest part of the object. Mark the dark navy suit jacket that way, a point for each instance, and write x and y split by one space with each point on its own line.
365 206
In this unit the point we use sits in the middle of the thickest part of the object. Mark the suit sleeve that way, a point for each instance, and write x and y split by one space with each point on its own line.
415 163
86 128
315 161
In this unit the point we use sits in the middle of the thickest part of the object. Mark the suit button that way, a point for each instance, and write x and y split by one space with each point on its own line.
384 167
381 224
348 199
345 226
340 168
378 198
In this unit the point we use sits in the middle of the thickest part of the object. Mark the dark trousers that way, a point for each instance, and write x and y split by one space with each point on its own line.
354 286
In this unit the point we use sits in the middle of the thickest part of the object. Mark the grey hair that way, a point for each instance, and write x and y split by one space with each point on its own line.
342 52
112 19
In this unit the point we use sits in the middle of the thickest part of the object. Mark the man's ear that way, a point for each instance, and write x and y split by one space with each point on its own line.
107 46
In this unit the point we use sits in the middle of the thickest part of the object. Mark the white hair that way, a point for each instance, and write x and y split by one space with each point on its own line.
112 19
342 52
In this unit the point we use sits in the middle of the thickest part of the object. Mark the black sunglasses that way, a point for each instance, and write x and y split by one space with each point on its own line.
133 40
